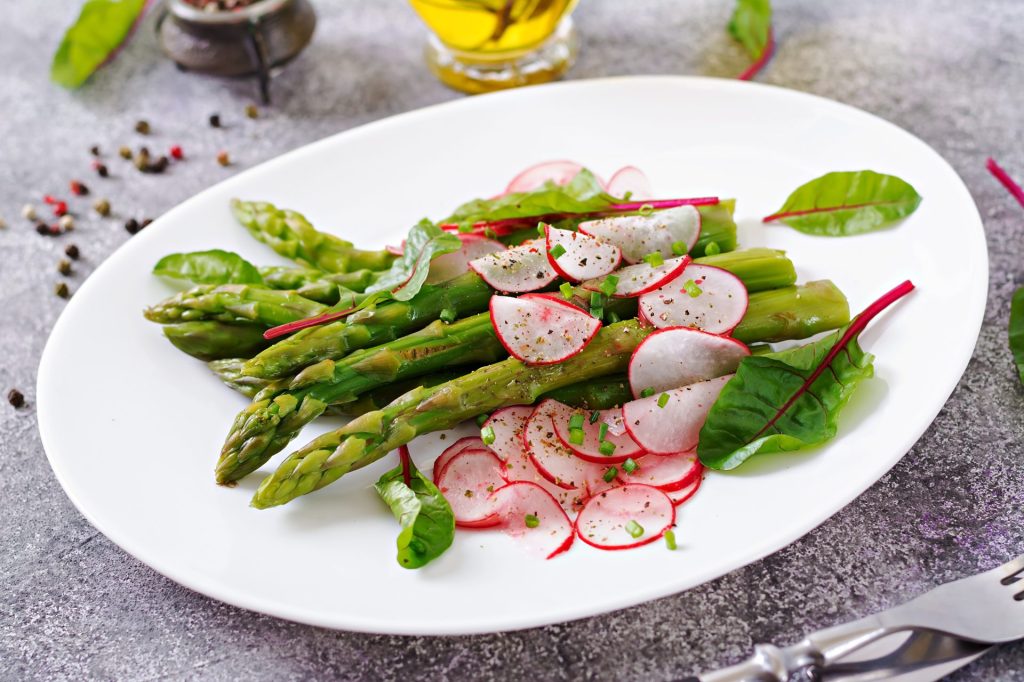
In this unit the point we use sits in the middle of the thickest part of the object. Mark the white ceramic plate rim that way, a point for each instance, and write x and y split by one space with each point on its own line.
974 247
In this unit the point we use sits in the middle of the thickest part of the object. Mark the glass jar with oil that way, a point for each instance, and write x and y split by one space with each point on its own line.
484 45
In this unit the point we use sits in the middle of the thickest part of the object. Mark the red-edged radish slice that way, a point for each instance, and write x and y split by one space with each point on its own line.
554 461
682 495
467 481
553 532
639 235
516 270
676 426
629 179
558 172
467 443
624 517
665 472
449 265
583 257
541 329
639 279
703 296
508 424
680 356
589 449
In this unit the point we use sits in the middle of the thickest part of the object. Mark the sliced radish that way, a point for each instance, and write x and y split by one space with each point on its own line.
665 472
582 256
589 449
630 179
469 442
680 356
554 461
540 329
682 495
702 296
639 279
449 265
639 235
558 172
508 424
676 426
467 481
553 532
629 516
516 270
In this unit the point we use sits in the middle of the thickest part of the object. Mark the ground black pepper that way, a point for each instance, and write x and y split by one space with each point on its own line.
16 398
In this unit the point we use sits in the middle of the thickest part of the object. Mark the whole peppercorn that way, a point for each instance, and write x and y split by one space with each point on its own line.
49 199
42 228
145 223
215 120
223 158
78 188
160 165
28 211
66 223
251 111
64 266
55 230
125 152
141 162
101 206
72 251
142 127
132 226
176 153
16 398
60 208
94 150
62 290
100 168
3 224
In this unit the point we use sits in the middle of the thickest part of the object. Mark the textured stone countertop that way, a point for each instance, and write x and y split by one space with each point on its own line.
74 606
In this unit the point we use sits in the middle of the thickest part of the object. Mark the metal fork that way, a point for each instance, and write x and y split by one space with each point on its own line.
987 608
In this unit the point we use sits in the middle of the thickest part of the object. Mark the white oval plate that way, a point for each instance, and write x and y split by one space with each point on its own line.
132 427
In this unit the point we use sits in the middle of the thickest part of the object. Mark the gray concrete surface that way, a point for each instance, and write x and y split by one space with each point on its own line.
74 606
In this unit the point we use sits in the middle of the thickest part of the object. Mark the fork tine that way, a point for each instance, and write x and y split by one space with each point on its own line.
1011 571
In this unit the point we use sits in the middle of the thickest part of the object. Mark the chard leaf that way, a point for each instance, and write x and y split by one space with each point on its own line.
1016 331
751 25
849 202
791 399
583 193
100 28
209 267
425 242
426 519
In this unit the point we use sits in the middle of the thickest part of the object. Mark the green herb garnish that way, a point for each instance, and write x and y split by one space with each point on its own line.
634 528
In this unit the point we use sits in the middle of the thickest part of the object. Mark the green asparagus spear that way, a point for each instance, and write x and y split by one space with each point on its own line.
211 340
465 295
600 393
307 281
291 235
280 410
511 382
244 303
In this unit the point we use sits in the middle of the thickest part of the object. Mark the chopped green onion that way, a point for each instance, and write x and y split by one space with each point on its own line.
630 465
448 315
606 448
647 393
542 229
602 432
558 251
481 419
654 259
691 288
596 300
712 249
532 521
487 435
634 528
670 539
465 227
594 416
663 400
576 421
679 248
610 474
576 436
646 209
609 284
613 318
566 290
597 312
